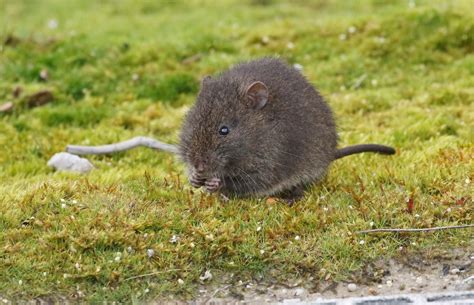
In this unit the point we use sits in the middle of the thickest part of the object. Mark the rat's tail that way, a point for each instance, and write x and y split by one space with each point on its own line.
356 149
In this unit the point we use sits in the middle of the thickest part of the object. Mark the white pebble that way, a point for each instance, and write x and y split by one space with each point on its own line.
454 271
64 161
20 282
389 283
259 228
448 210
352 287
297 237
262 251
180 281
290 45
361 242
352 29
265 39
419 280
371 223
467 181
150 252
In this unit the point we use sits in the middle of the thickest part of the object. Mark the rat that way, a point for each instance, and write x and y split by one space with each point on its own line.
261 129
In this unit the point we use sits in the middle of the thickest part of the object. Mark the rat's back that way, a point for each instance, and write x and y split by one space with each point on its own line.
304 131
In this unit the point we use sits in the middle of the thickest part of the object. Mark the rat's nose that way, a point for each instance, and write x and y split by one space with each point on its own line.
200 167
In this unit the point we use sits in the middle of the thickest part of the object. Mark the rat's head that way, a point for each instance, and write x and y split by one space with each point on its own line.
223 132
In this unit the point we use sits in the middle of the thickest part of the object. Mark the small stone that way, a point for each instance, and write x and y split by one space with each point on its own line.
174 239
262 251
342 37
300 292
419 280
290 45
372 291
20 282
454 271
352 29
361 242
389 283
150 253
297 237
68 162
259 229
180 281
352 287
129 249
265 39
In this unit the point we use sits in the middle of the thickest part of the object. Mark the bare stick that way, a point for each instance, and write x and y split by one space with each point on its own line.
121 146
415 230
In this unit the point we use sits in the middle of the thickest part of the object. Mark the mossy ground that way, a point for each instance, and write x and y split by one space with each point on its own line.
395 72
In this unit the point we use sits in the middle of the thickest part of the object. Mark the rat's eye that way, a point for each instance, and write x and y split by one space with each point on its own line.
224 130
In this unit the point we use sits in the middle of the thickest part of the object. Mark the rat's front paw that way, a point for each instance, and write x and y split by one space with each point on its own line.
196 181
213 185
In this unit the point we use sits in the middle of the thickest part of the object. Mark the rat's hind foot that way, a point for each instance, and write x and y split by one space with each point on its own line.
196 181
292 195
213 185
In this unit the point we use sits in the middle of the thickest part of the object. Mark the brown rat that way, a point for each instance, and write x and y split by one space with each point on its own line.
260 128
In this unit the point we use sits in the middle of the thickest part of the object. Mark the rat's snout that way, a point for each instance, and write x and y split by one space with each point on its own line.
201 166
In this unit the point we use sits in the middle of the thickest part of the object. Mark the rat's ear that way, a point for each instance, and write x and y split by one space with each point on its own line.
256 95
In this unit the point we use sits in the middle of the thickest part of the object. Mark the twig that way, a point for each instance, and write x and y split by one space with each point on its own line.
121 146
415 230
150 274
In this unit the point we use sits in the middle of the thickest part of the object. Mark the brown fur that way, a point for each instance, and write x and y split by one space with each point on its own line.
288 143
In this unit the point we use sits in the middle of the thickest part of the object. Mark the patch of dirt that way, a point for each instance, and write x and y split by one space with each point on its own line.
410 274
